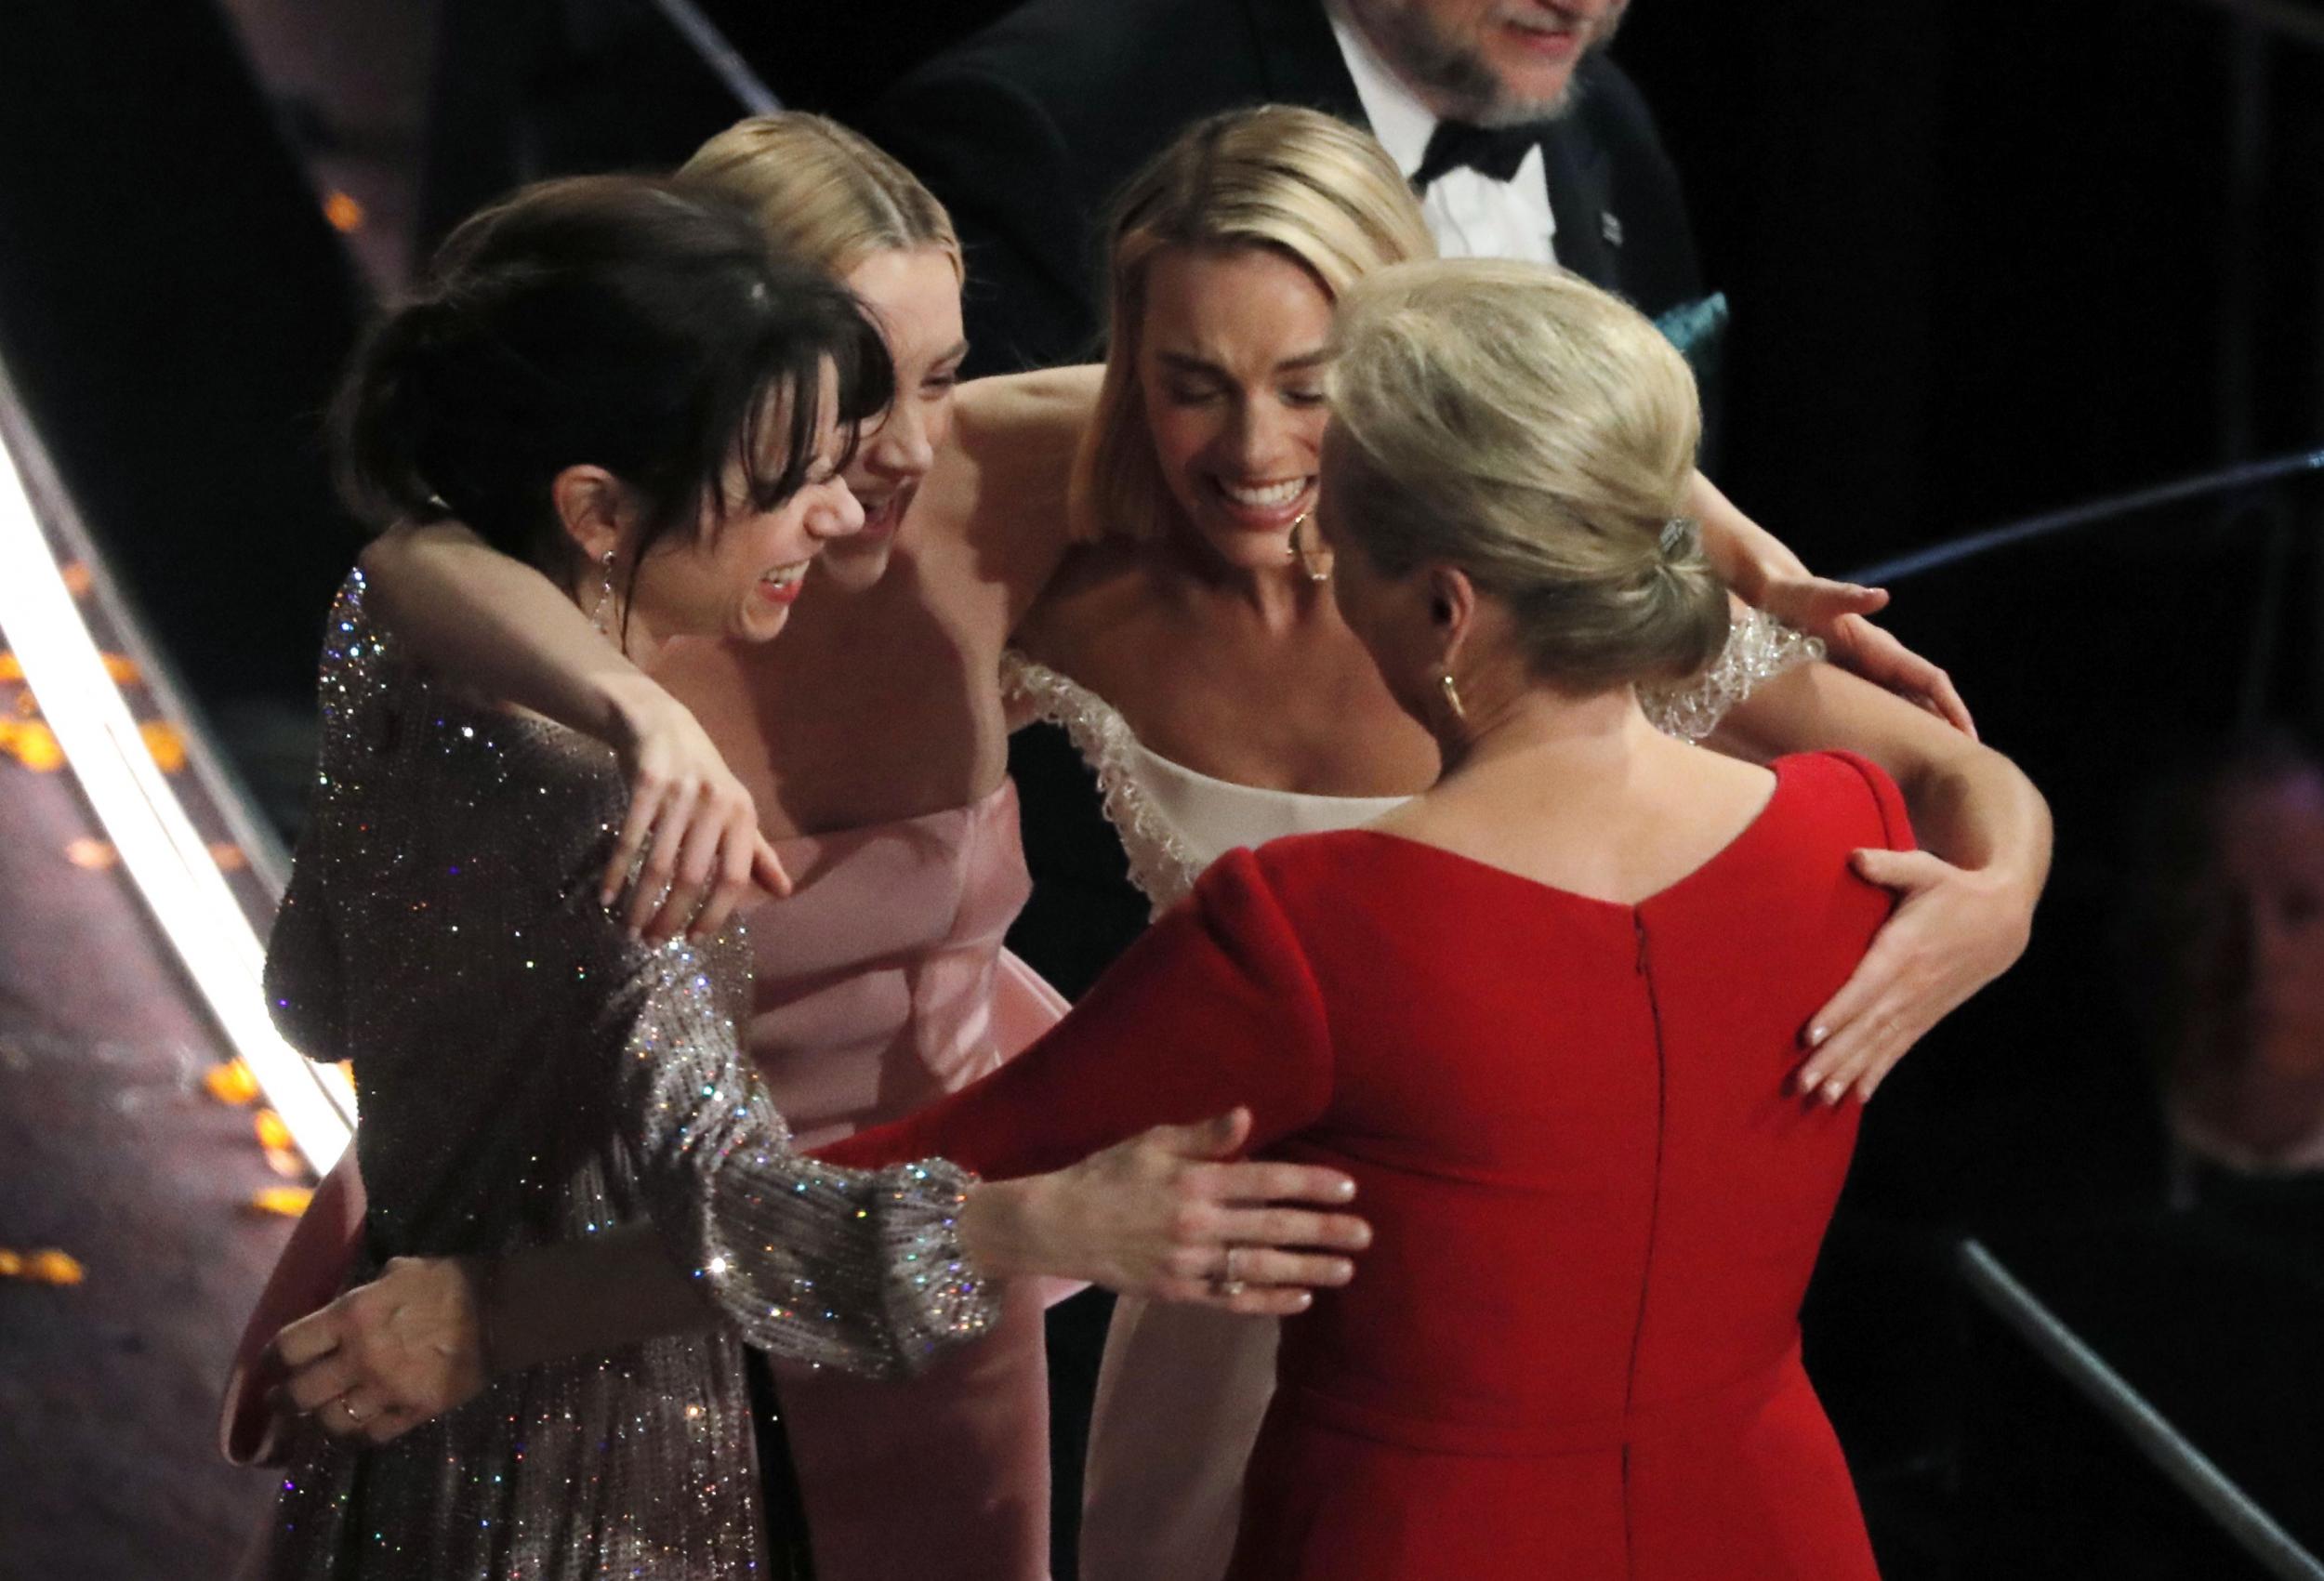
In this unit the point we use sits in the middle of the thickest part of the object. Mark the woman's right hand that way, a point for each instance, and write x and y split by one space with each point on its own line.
695 825
1166 1215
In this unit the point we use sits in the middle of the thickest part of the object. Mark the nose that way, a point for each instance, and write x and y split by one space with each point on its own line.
1261 441
837 514
900 450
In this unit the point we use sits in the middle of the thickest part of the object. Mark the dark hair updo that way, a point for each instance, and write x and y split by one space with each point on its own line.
634 324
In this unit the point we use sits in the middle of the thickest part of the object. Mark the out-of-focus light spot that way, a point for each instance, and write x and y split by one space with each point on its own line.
344 213
33 745
48 1266
122 668
286 1164
228 856
11 667
167 745
230 1083
95 855
273 1133
27 706
288 1202
75 576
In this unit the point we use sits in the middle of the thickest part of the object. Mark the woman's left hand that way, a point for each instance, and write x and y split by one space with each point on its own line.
1838 613
1954 930
390 1354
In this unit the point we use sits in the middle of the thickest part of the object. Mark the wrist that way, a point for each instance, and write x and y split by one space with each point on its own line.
1001 1228
624 703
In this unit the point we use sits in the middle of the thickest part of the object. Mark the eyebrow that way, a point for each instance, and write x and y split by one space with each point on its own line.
952 353
1185 362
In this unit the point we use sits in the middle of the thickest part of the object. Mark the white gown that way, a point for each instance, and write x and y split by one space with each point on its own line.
1182 1390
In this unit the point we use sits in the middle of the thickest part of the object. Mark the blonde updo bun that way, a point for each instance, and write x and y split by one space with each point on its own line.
1538 433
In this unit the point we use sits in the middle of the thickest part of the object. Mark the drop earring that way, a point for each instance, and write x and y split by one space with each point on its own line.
601 610
1452 695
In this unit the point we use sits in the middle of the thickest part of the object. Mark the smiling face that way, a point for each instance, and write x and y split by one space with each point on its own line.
736 577
915 295
1231 370
1494 62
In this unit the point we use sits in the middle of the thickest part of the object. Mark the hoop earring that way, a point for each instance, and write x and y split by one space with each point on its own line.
1313 558
604 606
1452 695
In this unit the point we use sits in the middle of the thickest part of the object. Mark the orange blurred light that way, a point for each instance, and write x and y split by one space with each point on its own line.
230 1083
33 745
273 1133
95 855
344 213
167 745
288 1202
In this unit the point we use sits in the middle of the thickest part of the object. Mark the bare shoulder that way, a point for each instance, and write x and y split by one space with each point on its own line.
1019 420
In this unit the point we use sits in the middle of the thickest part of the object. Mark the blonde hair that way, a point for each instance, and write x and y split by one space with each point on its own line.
827 196
1298 181
1539 434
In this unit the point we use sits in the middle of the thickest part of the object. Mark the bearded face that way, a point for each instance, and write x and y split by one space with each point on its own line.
1492 62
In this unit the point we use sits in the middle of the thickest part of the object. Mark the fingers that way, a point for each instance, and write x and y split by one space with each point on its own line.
315 1335
1948 705
1906 870
1275 1182
1294 1227
312 1387
698 865
645 805
1306 1271
1221 1136
766 869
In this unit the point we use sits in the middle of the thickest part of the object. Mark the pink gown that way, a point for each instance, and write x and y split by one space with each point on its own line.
878 987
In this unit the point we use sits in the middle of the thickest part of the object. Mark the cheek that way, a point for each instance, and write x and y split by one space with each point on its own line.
937 418
1180 436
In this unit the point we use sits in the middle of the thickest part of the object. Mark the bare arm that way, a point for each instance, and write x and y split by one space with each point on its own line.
1967 897
1002 484
506 633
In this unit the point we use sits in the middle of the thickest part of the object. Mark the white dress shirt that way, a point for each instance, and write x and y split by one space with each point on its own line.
1470 214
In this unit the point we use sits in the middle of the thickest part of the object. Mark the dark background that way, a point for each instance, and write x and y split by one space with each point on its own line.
1986 257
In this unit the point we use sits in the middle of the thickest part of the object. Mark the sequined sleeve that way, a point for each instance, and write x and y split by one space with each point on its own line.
1759 649
858 1270
304 987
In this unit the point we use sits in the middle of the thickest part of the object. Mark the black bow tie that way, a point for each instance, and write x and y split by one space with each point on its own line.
1489 151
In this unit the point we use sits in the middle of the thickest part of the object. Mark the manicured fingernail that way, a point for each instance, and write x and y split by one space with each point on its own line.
1306 1299
1834 1093
1341 1271
1344 1191
1816 1037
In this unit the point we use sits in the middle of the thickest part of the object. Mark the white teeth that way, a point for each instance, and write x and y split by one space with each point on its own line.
1265 495
785 576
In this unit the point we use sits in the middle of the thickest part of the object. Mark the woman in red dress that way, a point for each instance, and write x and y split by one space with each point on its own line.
1545 1014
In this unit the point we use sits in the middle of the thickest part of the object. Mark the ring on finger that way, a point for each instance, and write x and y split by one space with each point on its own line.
1225 1286
346 1405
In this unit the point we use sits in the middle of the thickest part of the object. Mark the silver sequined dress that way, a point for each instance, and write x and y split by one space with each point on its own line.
528 1075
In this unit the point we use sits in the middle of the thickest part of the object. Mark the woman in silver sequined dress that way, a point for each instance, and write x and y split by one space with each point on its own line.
614 378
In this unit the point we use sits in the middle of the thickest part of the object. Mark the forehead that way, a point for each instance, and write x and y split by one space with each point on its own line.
1235 305
915 295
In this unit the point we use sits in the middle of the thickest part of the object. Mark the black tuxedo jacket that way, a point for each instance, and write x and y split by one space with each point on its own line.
1028 129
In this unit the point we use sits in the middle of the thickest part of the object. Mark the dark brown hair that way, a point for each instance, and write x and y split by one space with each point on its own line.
635 323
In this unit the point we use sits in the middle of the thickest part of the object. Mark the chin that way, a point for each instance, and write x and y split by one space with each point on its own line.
1247 550
855 567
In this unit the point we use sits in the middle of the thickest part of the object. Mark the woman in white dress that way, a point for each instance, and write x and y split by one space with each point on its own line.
1193 649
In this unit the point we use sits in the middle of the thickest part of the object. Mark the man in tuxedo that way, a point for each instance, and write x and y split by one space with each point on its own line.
1523 138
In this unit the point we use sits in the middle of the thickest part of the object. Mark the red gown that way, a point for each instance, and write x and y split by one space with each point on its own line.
1573 1348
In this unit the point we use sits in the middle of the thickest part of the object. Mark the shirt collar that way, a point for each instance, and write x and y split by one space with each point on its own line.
1402 122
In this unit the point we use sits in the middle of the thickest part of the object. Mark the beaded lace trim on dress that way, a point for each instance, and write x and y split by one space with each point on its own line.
1759 648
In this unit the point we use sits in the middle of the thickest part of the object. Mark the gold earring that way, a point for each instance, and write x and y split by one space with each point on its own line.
1313 557
1452 695
601 611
